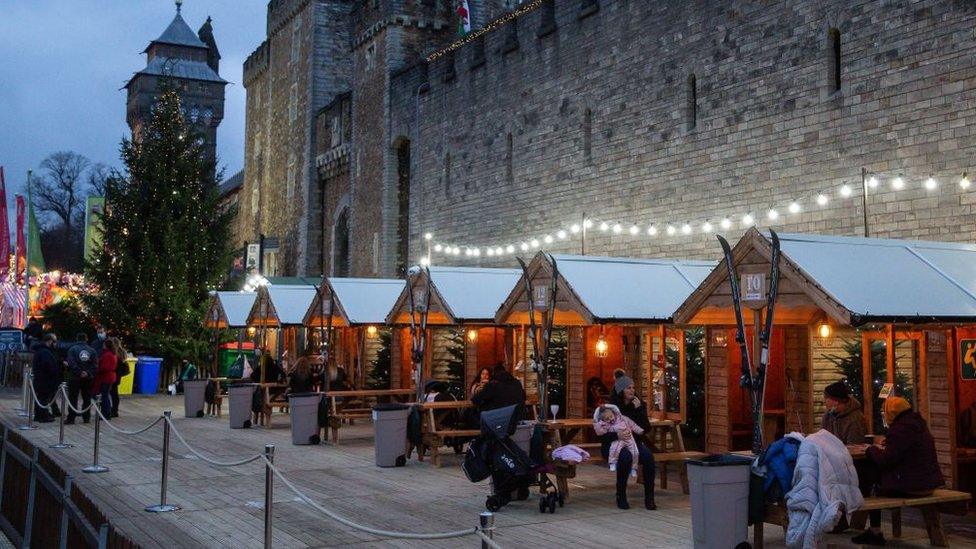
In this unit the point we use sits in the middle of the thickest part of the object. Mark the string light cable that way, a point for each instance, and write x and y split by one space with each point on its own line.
777 213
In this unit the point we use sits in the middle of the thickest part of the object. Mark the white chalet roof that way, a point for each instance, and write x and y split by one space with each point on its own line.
473 293
236 306
366 300
883 279
614 288
290 302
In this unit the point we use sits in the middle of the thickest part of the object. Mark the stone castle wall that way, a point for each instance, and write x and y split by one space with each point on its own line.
597 111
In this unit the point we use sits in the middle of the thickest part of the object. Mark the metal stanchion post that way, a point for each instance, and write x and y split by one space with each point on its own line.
64 412
487 520
22 411
163 507
29 426
268 493
95 467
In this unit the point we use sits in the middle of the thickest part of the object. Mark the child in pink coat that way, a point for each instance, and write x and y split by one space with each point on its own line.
608 419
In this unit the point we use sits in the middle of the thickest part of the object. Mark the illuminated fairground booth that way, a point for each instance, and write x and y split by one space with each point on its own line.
610 313
228 311
461 335
882 314
278 316
355 310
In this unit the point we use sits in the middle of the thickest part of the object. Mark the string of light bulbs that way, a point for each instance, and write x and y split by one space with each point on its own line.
797 206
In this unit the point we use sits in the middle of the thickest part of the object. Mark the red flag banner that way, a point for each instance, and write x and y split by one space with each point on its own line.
21 236
4 229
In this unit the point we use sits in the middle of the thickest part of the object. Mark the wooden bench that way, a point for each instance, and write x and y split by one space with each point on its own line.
434 433
932 507
355 405
214 408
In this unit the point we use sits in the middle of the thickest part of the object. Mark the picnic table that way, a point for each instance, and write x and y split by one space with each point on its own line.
273 395
435 432
348 406
667 442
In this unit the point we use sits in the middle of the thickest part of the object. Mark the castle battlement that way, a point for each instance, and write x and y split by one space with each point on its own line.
256 64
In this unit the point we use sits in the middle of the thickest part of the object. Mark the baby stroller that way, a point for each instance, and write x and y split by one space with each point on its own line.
495 454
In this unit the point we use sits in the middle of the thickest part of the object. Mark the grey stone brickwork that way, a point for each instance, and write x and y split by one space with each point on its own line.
583 107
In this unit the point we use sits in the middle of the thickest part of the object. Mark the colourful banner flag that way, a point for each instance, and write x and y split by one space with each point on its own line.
464 17
35 257
21 237
4 229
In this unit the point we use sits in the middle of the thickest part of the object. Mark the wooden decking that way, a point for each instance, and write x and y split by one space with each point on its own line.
222 507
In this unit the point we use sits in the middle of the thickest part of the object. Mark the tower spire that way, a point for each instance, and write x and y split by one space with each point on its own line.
179 6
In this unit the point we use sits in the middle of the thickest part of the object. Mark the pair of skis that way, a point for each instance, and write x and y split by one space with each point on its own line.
540 345
418 327
754 381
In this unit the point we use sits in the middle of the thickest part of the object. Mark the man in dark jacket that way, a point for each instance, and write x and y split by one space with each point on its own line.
503 390
47 377
82 364
907 465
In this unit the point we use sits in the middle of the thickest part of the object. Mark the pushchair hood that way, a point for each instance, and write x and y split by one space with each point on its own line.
500 422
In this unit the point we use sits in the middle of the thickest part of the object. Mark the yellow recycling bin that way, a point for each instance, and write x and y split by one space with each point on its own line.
125 386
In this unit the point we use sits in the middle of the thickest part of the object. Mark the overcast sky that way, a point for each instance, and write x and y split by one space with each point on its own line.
63 62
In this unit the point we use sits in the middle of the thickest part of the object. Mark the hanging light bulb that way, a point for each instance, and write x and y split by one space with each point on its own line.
931 184
587 223
524 246
601 347
706 227
748 220
634 229
845 190
510 249
652 230
726 223
821 199
438 247
561 234
472 335
873 182
794 207
424 261
898 183
499 251
823 330
604 227
547 239
686 228
772 214
467 252
574 229
490 252
371 331
670 230
534 243
428 236
617 229
964 182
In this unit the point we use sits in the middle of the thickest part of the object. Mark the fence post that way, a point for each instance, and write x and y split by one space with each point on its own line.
65 498
269 450
95 467
487 520
22 411
64 412
29 426
163 507
31 498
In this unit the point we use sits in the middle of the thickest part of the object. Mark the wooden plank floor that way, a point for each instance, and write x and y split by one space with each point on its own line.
223 506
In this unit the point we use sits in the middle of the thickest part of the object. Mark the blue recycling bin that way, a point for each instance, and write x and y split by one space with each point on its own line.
147 375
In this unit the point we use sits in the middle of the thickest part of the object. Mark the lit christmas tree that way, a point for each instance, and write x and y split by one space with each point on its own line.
165 240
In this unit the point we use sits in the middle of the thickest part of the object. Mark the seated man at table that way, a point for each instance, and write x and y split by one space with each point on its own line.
635 409
843 418
906 466
503 390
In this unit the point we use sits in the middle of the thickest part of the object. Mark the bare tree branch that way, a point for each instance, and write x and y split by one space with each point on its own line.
98 174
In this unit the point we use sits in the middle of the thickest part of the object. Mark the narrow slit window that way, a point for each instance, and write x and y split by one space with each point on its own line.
833 39
447 174
509 161
692 102
588 136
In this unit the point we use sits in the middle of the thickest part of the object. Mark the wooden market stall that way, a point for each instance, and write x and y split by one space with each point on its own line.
871 311
611 313
229 311
278 314
358 311
461 323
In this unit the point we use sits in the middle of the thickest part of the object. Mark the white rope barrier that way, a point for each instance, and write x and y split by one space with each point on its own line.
33 392
367 529
205 458
123 431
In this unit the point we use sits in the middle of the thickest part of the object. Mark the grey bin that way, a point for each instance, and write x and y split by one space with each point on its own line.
304 411
390 430
523 435
240 396
719 489
193 397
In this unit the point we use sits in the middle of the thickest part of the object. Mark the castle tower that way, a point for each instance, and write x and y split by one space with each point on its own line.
189 61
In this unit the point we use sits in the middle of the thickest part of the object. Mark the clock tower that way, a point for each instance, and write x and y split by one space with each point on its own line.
189 62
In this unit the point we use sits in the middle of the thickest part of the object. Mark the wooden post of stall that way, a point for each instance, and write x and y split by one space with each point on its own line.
867 378
682 377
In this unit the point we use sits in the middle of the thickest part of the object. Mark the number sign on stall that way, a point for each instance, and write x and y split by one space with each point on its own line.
753 288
